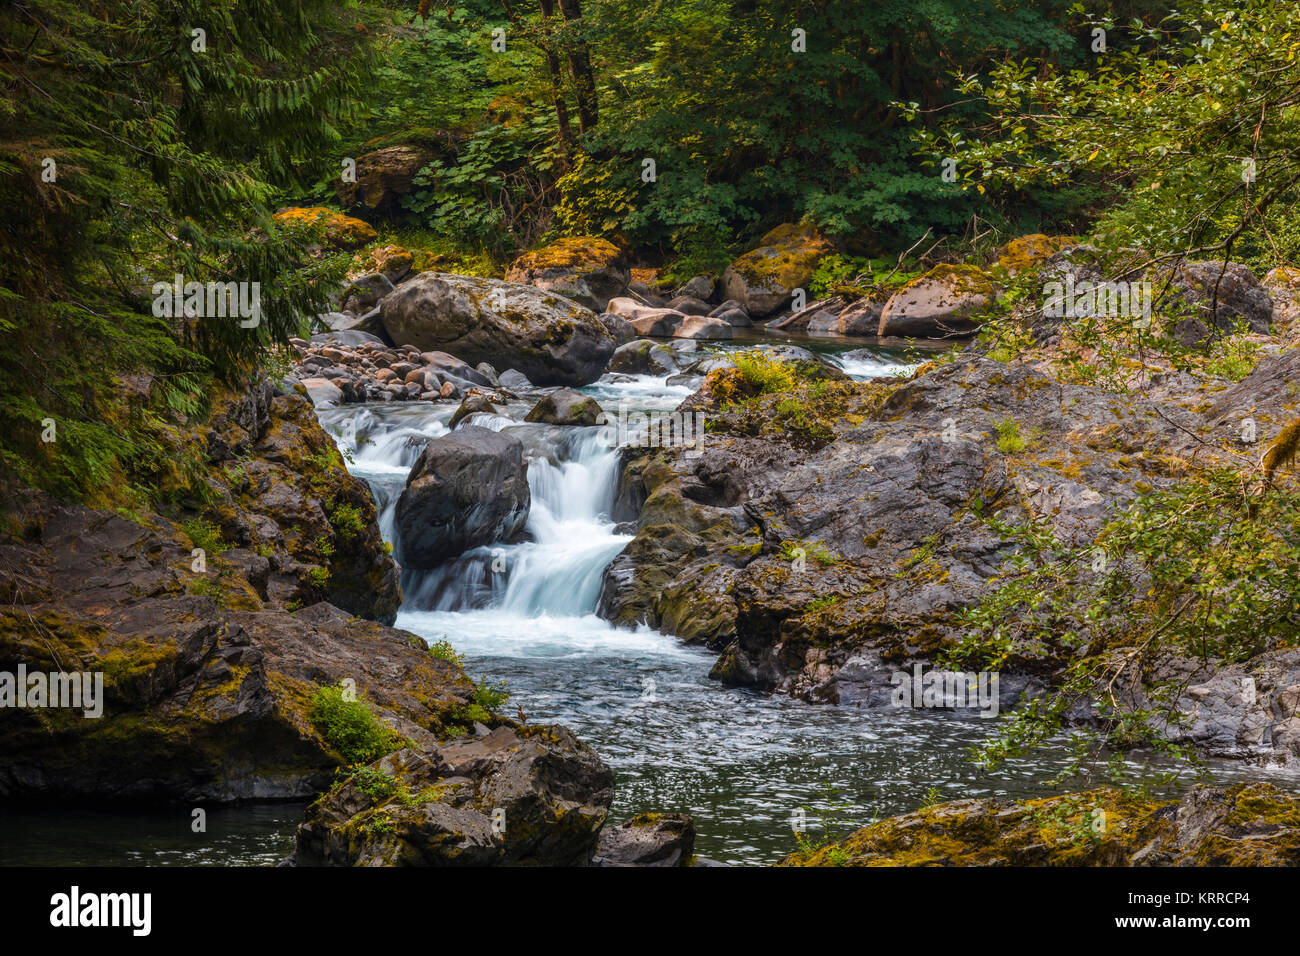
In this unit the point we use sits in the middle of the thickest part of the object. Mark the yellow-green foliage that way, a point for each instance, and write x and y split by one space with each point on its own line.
349 726
1282 451
763 372
1010 441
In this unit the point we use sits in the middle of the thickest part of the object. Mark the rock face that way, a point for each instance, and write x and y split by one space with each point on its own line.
208 671
383 178
526 796
281 490
944 301
565 407
860 318
763 279
203 701
343 232
1245 825
588 270
1221 298
1283 287
900 464
550 339
650 839
467 489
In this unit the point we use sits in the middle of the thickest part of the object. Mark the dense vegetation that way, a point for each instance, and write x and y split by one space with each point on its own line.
139 141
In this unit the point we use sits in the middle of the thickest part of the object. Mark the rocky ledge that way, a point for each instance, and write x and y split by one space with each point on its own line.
243 654
1245 825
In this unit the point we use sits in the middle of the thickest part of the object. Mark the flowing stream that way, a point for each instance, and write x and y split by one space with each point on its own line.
742 763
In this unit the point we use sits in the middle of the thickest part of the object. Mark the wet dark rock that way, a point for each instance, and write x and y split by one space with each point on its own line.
566 407
650 839
526 796
467 489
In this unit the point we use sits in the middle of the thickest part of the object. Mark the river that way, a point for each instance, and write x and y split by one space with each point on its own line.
743 764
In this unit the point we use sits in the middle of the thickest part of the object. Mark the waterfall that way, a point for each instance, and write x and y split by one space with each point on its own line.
558 571
572 477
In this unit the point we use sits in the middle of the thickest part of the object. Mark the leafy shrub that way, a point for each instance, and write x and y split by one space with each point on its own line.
203 534
445 652
764 372
1010 441
350 727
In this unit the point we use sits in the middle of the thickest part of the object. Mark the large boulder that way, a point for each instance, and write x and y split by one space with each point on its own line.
467 489
336 229
383 178
703 327
1218 296
474 405
644 319
617 326
525 796
587 270
550 339
944 301
763 279
448 366
700 287
690 305
644 357
322 391
364 293
734 317
798 321
565 407
860 318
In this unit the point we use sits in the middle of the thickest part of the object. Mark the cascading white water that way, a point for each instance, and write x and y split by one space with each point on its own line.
558 571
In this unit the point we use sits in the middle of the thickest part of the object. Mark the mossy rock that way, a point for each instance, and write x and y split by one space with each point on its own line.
764 278
586 269
1028 251
1252 824
947 300
343 232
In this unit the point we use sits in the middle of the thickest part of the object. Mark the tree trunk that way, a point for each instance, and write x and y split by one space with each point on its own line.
584 80
554 71
557 82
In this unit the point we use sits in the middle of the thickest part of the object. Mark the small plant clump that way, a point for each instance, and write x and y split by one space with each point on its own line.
349 726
